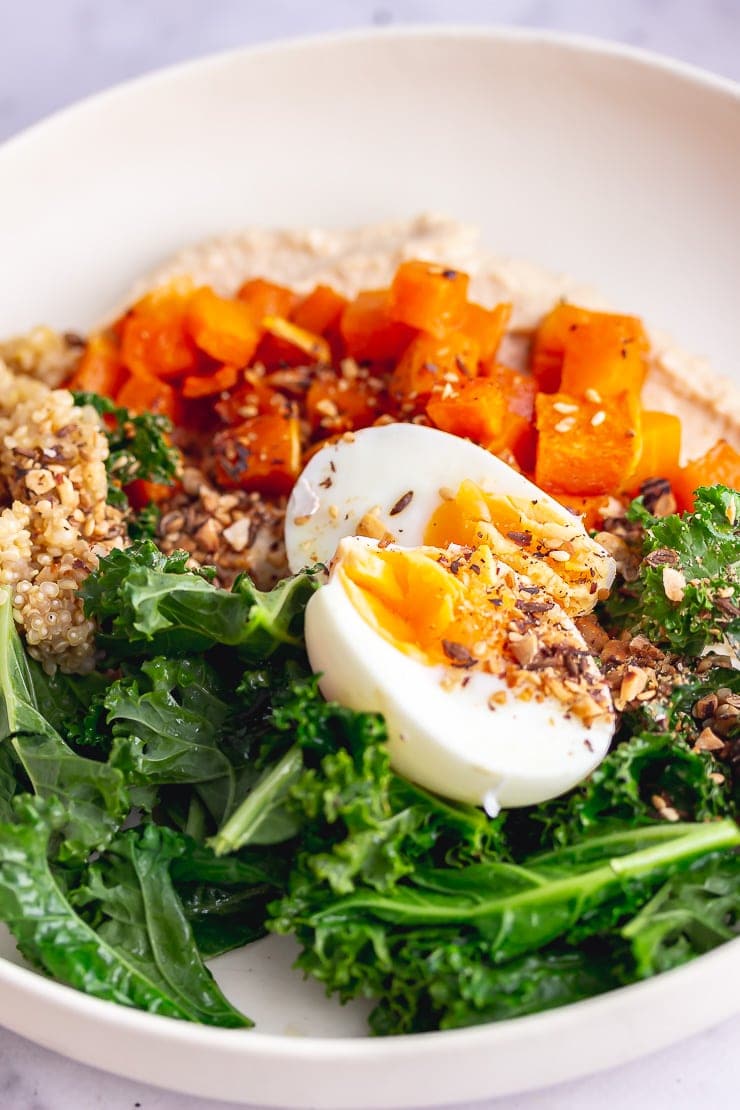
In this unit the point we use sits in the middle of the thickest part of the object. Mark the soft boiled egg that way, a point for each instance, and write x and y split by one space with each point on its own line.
488 690
413 485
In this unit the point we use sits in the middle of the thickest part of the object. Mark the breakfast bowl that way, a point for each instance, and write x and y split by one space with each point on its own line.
601 162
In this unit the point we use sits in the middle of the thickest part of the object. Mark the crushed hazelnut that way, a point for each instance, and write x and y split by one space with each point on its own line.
674 584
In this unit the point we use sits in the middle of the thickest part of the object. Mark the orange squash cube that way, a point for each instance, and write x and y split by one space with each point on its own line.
369 332
320 310
720 465
477 411
429 297
336 404
576 349
433 366
225 329
155 340
265 298
583 447
100 369
263 454
548 344
145 393
208 385
661 450
605 354
486 326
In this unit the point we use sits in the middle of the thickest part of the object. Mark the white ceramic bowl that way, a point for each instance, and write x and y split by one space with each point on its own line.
620 168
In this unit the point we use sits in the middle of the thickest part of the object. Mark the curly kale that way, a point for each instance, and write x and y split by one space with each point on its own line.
687 596
138 447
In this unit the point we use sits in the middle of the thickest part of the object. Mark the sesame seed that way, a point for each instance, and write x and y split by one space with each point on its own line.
593 396
598 418
565 425
564 408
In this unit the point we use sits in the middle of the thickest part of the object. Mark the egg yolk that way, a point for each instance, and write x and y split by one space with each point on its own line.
527 535
467 610
439 607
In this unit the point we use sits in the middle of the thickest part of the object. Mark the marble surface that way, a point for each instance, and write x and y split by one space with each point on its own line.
53 52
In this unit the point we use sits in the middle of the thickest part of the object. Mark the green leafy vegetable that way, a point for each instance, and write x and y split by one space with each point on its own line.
140 952
138 447
151 605
93 794
693 913
703 547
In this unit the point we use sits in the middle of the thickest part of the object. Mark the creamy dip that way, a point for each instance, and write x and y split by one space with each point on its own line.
366 258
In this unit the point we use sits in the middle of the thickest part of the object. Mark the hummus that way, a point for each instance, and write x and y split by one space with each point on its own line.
366 258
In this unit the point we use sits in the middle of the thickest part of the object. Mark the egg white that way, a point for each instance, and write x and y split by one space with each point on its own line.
443 734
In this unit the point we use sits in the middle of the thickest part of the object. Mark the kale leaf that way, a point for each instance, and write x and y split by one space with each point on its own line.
134 946
138 446
691 914
704 548
149 604
93 794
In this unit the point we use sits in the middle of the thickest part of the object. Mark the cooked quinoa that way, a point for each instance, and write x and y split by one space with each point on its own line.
55 522
43 353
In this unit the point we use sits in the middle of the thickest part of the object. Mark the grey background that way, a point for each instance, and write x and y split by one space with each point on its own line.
53 52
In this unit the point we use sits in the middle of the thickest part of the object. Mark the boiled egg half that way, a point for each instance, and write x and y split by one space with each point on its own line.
488 690
414 486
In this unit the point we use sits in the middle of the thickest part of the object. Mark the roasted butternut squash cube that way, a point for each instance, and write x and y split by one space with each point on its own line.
155 339
225 329
605 354
548 344
585 447
369 332
429 297
720 465
486 326
263 454
320 310
661 450
433 366
265 298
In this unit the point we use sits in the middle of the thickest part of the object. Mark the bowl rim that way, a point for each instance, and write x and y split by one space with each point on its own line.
23 980
574 42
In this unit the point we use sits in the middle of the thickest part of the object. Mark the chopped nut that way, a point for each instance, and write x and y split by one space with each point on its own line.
327 407
674 584
668 813
717 776
708 741
706 707
208 534
237 534
731 511
560 556
525 649
371 526
615 651
633 683
40 481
